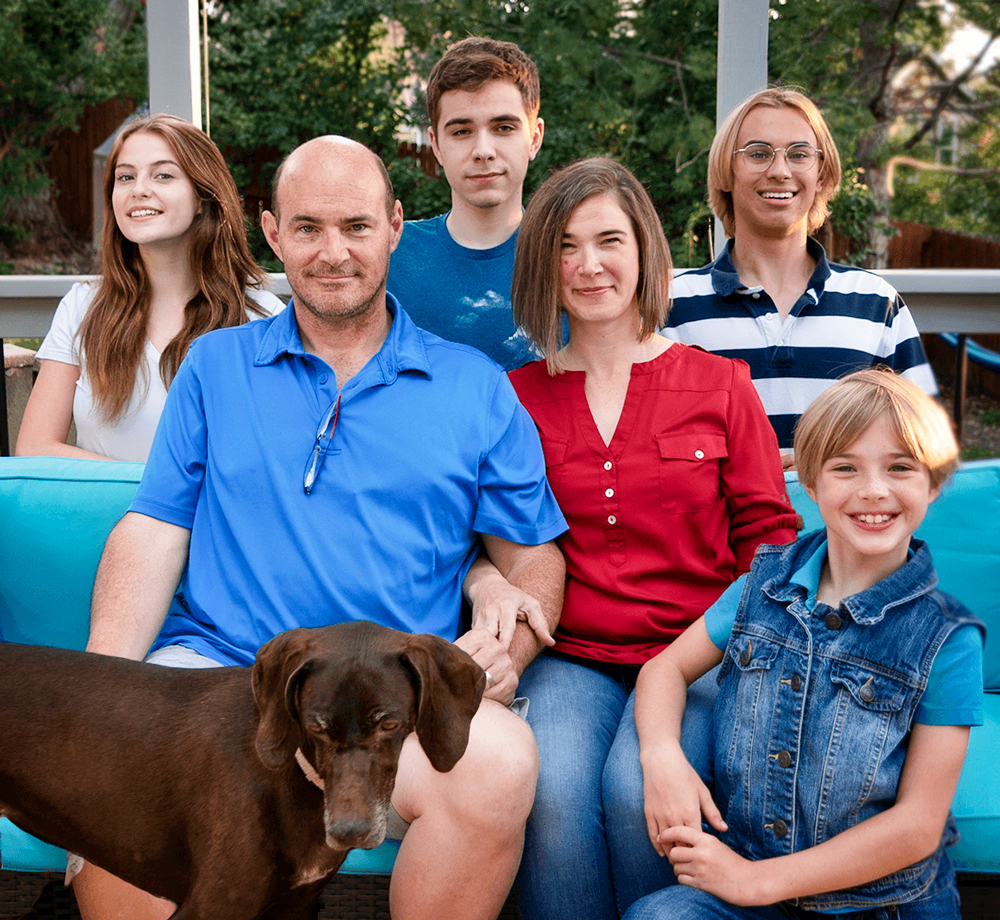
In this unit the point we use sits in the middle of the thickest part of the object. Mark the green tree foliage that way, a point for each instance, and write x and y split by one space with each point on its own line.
634 80
57 56
876 68
284 71
631 78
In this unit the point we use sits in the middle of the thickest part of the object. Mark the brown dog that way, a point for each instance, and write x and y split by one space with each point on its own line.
185 783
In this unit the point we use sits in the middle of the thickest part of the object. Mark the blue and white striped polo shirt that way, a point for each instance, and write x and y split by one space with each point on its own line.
846 320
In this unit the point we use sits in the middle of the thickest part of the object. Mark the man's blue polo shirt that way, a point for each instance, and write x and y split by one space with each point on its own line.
431 447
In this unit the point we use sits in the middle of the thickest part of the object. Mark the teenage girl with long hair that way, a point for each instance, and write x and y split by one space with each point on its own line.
174 264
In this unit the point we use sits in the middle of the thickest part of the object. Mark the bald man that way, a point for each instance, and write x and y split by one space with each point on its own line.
336 463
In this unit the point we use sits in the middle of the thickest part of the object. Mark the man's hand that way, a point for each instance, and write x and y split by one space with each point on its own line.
539 572
492 657
497 605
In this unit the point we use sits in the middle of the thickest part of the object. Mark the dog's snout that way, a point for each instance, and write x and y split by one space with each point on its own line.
350 832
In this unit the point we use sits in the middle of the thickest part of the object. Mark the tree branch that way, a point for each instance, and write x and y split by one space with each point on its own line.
925 166
947 92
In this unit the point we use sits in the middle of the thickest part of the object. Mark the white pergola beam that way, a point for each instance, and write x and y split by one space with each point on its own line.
174 58
742 62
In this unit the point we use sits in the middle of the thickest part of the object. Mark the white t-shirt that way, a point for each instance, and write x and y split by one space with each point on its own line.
131 435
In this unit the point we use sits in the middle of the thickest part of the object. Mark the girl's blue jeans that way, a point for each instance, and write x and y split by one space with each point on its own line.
680 903
587 853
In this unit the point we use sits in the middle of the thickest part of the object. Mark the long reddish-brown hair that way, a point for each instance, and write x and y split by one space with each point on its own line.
113 334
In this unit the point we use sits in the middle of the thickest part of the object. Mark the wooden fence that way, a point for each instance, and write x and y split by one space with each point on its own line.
71 165
919 246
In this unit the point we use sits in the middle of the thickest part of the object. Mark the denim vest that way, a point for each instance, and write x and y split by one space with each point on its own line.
815 708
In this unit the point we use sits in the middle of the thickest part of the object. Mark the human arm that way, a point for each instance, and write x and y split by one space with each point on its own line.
673 793
753 482
907 832
538 571
903 347
497 605
47 417
140 568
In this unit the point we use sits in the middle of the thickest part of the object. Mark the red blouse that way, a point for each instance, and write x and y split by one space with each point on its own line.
667 515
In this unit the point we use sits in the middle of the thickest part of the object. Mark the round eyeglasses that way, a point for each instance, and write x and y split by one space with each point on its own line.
799 157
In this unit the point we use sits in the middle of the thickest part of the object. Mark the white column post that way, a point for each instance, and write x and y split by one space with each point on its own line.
174 58
742 63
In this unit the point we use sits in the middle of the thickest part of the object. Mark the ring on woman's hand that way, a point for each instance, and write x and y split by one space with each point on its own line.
489 679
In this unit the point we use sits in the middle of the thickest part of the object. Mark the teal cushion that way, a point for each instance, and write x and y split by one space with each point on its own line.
372 862
24 853
55 514
977 799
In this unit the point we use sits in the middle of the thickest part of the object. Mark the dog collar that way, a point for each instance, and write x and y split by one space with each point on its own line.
308 769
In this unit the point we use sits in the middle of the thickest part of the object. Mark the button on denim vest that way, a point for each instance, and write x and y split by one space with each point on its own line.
815 709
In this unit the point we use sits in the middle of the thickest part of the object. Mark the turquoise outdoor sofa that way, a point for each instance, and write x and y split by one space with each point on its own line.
55 515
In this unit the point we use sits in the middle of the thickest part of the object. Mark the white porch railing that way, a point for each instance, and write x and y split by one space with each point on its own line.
962 301
942 300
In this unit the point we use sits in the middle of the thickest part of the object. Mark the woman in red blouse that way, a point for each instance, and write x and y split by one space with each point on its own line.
667 470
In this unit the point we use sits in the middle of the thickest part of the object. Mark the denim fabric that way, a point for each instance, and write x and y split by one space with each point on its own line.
579 841
681 903
815 709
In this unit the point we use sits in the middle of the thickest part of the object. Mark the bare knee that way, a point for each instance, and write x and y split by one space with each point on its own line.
492 786
102 896
505 756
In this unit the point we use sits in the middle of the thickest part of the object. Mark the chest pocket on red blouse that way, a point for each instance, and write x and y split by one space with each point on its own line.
689 478
555 455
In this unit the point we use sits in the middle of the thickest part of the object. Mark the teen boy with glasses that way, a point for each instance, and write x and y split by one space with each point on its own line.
771 297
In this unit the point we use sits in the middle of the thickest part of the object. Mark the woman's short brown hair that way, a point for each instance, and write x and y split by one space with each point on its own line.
720 157
537 264
842 413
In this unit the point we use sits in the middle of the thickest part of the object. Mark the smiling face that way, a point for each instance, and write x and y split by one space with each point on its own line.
332 230
154 201
484 141
873 495
599 264
775 202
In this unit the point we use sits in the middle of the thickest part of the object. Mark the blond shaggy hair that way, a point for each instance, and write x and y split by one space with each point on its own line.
842 413
721 169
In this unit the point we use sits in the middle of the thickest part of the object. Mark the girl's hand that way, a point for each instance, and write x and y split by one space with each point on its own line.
674 795
702 861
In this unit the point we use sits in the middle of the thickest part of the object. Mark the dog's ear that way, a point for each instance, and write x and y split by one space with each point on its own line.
450 686
275 678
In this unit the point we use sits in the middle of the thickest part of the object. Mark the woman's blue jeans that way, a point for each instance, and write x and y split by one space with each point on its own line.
587 854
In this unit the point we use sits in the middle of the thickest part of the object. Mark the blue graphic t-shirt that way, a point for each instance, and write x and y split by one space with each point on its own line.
460 294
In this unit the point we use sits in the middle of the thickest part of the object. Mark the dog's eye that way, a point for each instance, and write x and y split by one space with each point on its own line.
389 725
